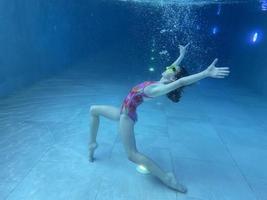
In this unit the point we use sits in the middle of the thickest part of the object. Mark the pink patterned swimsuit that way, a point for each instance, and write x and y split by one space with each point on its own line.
134 99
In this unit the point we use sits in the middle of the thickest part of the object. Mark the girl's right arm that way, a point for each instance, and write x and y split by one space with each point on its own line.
211 71
165 89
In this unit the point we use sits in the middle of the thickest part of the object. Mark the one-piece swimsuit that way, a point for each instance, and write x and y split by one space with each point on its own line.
134 99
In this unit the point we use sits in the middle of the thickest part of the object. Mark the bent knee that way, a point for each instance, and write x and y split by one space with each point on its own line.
93 110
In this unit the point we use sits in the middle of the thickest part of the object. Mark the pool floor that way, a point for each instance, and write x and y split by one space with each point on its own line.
214 140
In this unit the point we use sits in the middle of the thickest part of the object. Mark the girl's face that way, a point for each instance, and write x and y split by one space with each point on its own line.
170 73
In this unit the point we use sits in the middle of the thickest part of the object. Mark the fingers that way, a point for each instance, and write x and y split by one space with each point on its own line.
215 61
220 70
223 67
223 72
181 46
221 75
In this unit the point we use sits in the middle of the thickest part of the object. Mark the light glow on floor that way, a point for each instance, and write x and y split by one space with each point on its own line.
142 169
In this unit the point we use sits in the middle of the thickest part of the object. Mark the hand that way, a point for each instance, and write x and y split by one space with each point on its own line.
217 72
183 48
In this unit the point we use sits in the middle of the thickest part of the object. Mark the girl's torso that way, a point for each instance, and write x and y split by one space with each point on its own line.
137 95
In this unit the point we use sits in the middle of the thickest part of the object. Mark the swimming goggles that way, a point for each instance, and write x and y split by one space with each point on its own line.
171 68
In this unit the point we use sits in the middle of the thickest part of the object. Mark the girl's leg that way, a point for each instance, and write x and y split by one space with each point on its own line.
96 111
126 129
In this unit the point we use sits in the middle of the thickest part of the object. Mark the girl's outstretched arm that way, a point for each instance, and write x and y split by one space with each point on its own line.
211 71
181 56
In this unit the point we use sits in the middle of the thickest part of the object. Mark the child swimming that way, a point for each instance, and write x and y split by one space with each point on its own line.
171 84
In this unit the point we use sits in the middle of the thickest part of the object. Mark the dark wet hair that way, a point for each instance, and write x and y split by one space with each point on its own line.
176 94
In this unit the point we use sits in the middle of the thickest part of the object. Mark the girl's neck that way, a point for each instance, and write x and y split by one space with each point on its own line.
164 81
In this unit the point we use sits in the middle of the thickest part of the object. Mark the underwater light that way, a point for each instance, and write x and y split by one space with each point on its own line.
219 9
152 58
142 169
215 30
255 37
151 69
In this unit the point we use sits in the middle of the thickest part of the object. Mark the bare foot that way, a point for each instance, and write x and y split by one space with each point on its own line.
92 148
171 182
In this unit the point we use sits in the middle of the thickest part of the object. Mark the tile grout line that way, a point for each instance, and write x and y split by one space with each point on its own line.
34 165
237 166
109 157
113 146
169 151
51 133
30 170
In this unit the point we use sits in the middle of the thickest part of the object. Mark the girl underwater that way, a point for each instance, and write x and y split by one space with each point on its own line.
171 84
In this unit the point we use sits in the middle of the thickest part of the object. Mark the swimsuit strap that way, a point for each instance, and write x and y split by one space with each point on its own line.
140 87
146 83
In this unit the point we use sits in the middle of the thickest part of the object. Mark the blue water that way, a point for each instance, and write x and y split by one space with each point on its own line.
57 58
